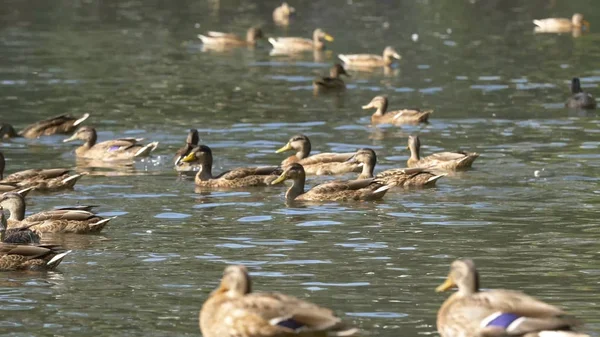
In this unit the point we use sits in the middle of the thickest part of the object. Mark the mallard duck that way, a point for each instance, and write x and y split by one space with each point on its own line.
201 156
497 312
231 40
62 124
281 14
405 116
30 257
403 177
580 99
64 220
449 161
363 189
7 131
333 82
110 150
21 235
370 60
298 44
38 179
233 310
318 164
561 25
190 143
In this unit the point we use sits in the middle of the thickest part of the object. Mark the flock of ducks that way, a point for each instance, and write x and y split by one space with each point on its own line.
233 309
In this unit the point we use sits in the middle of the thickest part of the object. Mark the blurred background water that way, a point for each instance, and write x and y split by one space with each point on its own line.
496 87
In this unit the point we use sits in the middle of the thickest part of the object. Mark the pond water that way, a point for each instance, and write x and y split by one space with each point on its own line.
496 88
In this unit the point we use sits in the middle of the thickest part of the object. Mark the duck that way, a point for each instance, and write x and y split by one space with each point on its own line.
15 257
45 180
234 310
355 190
497 312
371 60
402 177
20 235
61 124
449 161
580 99
281 14
298 44
333 81
202 157
190 143
110 150
561 25
65 220
399 117
219 39
318 164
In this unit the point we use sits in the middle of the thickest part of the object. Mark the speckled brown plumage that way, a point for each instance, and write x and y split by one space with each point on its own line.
30 257
399 117
333 82
201 156
62 124
449 161
233 310
110 150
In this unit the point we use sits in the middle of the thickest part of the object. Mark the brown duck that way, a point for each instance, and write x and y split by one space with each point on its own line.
233 310
282 14
110 150
65 220
62 124
403 177
190 143
297 44
218 39
497 312
39 179
405 116
561 25
318 164
333 81
201 156
370 60
449 161
357 190
20 235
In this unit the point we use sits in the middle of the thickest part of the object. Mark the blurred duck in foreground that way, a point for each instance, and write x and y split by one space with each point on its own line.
190 143
62 124
233 310
355 190
448 161
76 220
580 99
561 25
20 250
333 82
117 149
318 164
402 177
282 14
399 117
298 44
40 179
224 40
202 157
370 60
497 312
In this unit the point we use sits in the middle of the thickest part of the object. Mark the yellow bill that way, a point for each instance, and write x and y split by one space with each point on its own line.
287 147
328 37
279 179
189 158
70 139
448 284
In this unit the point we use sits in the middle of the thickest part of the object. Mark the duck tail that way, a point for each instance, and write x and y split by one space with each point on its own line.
272 41
434 179
344 58
344 333
25 191
70 181
82 119
203 38
98 226
146 150
56 260
537 23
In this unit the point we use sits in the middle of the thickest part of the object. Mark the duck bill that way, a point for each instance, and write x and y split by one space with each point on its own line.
448 284
352 159
279 179
70 139
287 147
189 158
368 106
328 37
397 56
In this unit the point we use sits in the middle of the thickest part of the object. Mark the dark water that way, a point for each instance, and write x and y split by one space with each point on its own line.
136 66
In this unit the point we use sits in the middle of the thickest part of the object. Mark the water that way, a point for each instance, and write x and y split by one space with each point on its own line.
496 88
